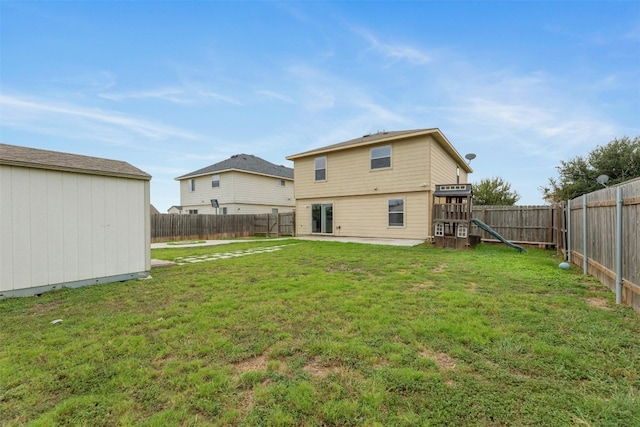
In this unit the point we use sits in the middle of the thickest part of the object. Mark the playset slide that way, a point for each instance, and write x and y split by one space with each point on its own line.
495 234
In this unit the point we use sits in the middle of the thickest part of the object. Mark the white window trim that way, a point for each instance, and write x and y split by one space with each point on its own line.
191 185
404 213
371 158
315 169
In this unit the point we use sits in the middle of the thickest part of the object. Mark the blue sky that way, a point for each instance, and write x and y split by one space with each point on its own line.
172 87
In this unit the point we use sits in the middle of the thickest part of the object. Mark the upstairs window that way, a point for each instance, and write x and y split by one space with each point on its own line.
396 213
192 184
215 181
281 182
381 157
321 168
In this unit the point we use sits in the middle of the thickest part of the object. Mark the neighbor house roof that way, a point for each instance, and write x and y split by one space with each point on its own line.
14 155
388 136
246 163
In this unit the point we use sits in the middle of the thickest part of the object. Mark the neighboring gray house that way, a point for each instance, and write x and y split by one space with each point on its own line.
241 184
68 220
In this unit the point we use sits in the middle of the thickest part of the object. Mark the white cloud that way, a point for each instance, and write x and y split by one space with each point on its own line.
176 95
50 117
167 94
396 52
277 96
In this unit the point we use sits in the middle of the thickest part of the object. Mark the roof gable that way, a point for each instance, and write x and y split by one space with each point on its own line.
14 155
246 163
390 136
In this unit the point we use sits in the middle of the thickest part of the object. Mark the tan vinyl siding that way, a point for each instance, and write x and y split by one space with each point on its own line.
444 168
367 216
349 172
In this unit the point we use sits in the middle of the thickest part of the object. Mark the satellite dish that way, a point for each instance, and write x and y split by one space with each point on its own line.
602 179
470 157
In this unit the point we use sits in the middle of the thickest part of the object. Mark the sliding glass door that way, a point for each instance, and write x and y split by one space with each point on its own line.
322 218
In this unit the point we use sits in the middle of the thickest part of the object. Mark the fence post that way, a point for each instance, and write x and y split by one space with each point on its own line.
585 262
619 207
568 230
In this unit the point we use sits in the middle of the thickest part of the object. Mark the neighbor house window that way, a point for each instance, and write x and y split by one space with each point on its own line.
192 184
321 169
223 211
215 181
274 210
193 211
281 183
396 213
381 157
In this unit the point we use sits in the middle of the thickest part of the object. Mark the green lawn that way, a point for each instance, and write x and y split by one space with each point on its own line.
326 334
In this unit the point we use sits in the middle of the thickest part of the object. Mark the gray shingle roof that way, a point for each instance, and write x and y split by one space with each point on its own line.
14 155
388 136
244 162
363 140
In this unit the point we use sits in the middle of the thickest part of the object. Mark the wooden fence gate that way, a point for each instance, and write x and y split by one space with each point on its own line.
270 225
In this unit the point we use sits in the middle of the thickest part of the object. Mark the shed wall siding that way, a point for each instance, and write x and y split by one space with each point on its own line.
59 227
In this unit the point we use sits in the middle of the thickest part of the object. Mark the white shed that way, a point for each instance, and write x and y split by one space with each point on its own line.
68 221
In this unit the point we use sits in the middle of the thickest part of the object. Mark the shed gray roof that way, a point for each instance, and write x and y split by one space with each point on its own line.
243 162
14 155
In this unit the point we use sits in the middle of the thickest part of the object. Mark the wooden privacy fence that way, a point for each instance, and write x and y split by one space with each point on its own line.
274 225
602 237
171 227
528 225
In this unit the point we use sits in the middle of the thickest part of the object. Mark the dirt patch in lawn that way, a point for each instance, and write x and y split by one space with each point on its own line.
45 307
443 360
421 286
258 363
598 302
317 369
440 268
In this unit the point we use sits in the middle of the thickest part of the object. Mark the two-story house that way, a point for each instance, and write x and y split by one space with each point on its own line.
241 184
378 185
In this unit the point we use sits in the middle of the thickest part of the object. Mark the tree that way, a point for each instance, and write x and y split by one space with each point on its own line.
619 160
494 191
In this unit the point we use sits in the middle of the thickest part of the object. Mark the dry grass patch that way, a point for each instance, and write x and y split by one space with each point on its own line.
317 369
442 360
258 363
440 268
598 302
422 286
